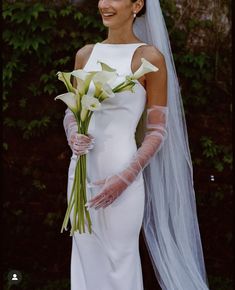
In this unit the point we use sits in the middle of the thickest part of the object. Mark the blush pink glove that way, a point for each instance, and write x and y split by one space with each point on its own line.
79 143
156 133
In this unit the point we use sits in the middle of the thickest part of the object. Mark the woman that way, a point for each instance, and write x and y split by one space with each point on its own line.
128 187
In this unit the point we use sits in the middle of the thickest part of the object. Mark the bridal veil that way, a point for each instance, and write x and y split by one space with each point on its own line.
170 224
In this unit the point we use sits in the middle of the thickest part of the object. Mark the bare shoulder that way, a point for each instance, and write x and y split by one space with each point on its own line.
156 81
82 55
153 55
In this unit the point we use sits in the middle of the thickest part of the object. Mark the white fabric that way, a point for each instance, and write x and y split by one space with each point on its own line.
108 259
170 220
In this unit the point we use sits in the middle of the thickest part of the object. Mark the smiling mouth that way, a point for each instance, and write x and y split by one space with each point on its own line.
107 15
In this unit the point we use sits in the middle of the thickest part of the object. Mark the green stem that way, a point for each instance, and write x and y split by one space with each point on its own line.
70 204
123 86
76 197
87 213
118 86
82 194
79 221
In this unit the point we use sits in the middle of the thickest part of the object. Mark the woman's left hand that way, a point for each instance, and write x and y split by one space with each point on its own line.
112 188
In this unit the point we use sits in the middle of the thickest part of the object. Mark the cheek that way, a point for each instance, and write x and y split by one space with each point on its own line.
124 9
99 5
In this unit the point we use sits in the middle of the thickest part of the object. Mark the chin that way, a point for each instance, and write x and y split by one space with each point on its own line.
109 24
112 24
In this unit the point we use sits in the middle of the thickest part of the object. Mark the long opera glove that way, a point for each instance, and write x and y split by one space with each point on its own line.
156 133
79 143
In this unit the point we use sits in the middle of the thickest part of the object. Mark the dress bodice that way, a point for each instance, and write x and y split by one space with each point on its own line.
114 125
118 56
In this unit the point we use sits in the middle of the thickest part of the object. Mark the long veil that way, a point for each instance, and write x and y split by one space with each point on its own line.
170 224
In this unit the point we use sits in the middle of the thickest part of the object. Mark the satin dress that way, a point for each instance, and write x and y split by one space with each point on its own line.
109 259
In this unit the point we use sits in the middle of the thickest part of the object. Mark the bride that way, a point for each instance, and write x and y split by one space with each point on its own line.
129 187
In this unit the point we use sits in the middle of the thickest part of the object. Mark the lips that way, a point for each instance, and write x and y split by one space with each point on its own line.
107 14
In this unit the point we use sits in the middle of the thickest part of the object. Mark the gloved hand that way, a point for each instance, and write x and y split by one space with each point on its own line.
156 124
79 143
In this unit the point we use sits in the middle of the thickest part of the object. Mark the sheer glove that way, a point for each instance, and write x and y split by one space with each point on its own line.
79 143
156 133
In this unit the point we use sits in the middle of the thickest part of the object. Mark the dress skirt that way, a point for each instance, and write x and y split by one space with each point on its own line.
109 259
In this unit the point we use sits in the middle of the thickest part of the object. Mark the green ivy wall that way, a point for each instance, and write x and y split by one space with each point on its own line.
40 38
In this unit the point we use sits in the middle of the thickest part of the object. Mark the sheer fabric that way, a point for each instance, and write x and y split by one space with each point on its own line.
80 144
70 125
170 222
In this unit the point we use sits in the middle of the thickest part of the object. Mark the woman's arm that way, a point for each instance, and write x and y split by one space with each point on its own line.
79 143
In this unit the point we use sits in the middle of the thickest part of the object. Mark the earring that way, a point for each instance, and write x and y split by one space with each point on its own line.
134 14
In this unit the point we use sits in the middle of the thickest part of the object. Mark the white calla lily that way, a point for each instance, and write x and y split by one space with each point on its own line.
145 68
80 86
106 92
70 100
65 78
80 73
103 77
106 67
90 103
83 79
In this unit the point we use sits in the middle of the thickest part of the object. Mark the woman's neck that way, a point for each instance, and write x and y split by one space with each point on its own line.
116 36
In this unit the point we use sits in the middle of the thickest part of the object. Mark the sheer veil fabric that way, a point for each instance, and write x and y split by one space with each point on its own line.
170 223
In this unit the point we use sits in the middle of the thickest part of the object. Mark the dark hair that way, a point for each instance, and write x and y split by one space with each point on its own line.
142 11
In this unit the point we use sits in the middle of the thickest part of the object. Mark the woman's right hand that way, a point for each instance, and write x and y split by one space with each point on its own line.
80 143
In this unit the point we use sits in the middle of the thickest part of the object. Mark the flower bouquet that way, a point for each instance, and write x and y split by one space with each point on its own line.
92 88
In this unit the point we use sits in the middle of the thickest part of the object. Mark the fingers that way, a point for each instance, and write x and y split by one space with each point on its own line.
82 139
91 137
96 199
103 199
79 151
100 204
108 203
81 144
82 148
103 202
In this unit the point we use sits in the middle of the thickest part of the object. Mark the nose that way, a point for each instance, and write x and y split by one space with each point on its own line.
103 4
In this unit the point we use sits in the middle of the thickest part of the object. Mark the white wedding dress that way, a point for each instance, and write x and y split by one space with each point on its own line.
108 259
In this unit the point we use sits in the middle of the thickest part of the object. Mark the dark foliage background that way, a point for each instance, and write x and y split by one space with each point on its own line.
40 38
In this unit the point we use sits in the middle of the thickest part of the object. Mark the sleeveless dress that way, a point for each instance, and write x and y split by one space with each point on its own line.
108 259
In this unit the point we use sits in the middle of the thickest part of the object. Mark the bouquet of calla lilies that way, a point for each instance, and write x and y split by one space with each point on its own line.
92 88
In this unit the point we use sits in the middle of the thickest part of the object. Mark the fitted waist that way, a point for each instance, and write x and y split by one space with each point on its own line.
115 143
